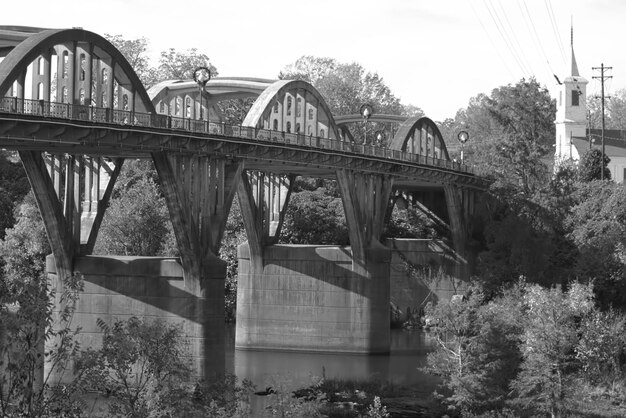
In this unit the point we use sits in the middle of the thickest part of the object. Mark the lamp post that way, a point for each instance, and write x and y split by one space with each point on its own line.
366 111
463 136
201 76
380 137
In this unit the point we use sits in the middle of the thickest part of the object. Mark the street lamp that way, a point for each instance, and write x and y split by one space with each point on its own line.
463 136
201 76
380 137
366 111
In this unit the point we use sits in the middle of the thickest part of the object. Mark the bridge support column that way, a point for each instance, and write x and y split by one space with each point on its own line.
460 205
319 298
263 199
57 184
199 192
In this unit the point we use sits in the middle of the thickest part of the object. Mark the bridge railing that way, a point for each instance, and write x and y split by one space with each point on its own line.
125 117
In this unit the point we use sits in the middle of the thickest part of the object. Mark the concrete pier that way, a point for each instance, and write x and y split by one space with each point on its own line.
150 288
312 298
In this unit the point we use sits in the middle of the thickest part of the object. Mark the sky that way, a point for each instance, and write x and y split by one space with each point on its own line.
432 54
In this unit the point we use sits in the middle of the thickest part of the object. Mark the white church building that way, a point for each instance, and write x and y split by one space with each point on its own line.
573 137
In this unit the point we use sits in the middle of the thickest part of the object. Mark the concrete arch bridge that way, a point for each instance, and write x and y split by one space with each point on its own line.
74 109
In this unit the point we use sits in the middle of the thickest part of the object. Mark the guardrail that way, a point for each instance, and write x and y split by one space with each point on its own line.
124 117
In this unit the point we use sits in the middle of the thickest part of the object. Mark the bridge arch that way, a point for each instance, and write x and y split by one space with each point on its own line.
293 106
420 135
89 71
166 94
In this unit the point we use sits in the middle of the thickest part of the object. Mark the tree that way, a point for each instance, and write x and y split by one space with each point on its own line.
548 346
6 212
525 115
135 52
137 220
175 65
601 347
27 320
597 226
476 353
142 365
591 166
346 87
615 110
315 217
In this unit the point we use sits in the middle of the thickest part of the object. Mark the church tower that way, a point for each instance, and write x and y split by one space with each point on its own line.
571 113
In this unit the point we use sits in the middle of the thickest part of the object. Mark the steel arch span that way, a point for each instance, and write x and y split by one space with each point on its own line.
420 135
72 66
181 98
293 106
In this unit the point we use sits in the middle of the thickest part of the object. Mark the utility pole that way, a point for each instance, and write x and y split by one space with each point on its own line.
602 77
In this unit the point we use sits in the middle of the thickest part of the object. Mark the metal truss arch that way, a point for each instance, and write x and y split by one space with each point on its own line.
166 94
293 106
420 135
80 45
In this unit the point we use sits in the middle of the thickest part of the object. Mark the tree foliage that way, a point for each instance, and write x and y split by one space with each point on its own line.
476 353
591 166
137 220
136 53
511 131
532 348
28 319
551 333
315 217
176 65
346 87
615 110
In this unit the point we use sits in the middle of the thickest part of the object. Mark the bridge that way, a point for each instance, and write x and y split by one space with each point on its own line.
74 109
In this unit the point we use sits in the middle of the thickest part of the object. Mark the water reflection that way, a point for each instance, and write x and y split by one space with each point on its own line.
408 354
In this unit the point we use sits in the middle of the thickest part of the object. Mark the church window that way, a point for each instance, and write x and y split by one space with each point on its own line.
299 107
288 127
575 98
275 124
297 128
276 107
310 114
288 106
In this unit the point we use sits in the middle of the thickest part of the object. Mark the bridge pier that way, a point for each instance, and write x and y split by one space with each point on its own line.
58 183
316 298
198 192
312 298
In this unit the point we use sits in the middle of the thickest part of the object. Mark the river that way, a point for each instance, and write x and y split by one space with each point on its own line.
401 366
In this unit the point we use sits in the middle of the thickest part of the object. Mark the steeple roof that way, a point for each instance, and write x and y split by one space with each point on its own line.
575 72
574 65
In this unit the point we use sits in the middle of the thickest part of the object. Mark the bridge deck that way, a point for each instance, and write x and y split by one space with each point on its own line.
60 127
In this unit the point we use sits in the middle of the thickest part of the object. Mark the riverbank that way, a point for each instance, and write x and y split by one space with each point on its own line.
347 398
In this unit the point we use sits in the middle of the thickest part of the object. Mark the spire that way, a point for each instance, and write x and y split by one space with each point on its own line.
574 65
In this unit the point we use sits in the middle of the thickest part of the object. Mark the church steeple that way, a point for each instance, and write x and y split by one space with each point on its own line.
571 113
573 60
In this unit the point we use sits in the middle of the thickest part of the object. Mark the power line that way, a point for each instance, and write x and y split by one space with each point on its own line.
493 44
527 63
535 37
555 29
602 77
504 37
